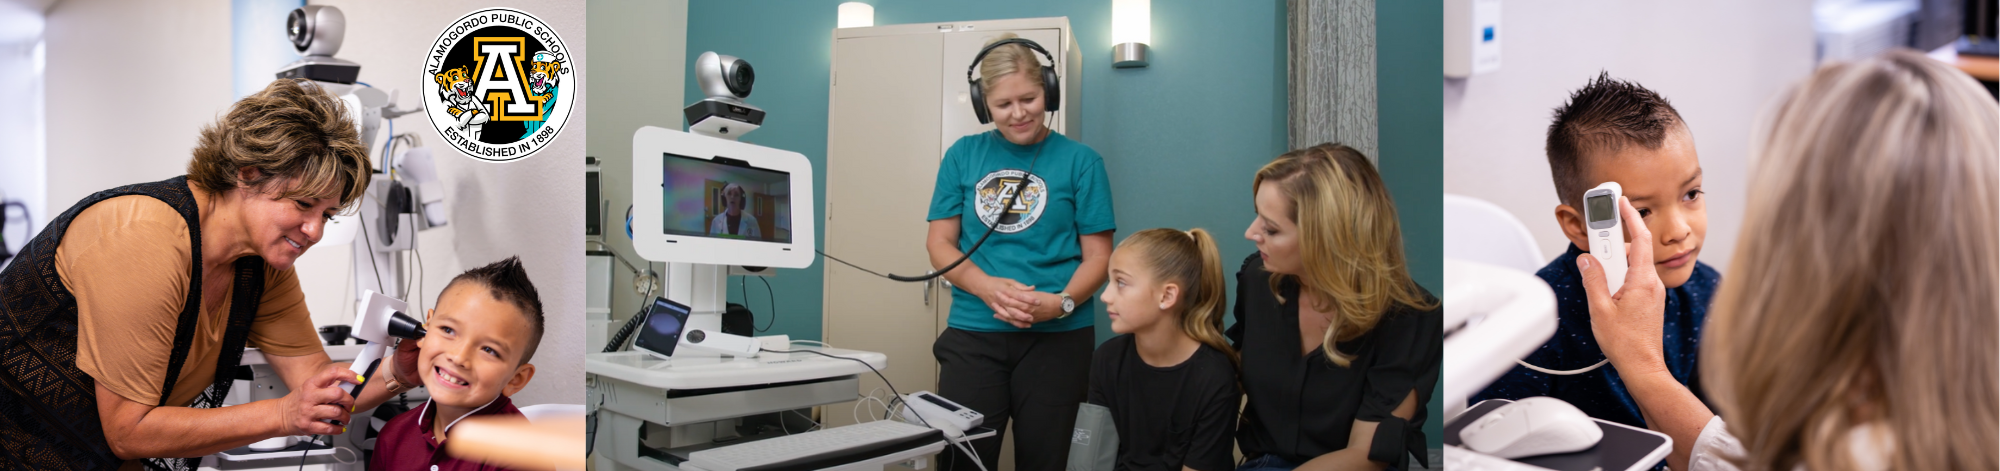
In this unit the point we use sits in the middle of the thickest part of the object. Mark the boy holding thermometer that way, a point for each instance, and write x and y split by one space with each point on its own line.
1625 167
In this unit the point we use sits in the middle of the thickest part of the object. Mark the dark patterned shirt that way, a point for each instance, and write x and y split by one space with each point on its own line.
1600 393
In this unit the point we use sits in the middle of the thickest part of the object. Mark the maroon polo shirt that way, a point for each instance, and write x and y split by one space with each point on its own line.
406 442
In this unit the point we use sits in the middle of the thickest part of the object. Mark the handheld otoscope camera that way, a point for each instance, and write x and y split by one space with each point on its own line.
381 319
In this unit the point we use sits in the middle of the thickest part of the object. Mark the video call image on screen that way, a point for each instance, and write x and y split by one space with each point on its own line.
708 199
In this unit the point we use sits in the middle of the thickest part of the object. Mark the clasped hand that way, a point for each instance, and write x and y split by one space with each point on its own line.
1017 304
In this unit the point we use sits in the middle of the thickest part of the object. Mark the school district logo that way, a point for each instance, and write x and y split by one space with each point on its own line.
499 84
994 189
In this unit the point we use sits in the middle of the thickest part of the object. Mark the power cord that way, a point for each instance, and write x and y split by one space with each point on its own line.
960 444
590 437
878 373
816 424
310 441
1026 177
624 332
770 297
371 254
1564 372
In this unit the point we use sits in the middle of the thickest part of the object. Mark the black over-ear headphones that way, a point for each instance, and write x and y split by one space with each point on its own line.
1051 89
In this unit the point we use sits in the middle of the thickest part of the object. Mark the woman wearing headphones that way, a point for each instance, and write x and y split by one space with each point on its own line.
1020 337
1340 347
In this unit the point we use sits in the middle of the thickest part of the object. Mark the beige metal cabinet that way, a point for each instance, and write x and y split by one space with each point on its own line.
899 99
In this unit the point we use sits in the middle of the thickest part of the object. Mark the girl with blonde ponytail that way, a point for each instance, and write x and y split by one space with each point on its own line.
1169 379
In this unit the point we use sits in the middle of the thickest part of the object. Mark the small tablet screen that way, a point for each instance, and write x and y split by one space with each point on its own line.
940 402
1601 208
664 322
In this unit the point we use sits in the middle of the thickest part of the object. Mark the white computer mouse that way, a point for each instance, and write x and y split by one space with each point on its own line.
272 444
1531 427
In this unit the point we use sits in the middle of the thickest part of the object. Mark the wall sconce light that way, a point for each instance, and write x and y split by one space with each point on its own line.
1131 30
856 15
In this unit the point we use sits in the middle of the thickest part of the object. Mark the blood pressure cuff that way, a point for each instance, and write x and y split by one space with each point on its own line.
1393 438
1093 446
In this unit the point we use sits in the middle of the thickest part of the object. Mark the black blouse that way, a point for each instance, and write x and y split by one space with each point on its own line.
1303 406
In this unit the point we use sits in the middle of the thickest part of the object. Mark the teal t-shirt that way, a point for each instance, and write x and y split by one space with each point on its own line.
1068 196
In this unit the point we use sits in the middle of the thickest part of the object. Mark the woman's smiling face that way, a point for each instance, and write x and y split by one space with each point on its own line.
1016 105
283 228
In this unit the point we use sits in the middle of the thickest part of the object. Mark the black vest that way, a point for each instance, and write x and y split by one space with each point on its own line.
48 407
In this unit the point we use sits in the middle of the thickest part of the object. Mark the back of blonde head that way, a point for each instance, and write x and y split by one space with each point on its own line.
1349 238
1008 60
1863 292
1189 259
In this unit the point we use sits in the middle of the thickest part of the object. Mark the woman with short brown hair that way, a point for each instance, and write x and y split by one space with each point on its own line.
124 320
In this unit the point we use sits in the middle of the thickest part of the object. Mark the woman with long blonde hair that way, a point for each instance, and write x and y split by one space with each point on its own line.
1857 327
1327 303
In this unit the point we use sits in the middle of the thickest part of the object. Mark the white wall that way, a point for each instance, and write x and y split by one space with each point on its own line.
649 40
1718 61
23 166
531 208
129 86
132 83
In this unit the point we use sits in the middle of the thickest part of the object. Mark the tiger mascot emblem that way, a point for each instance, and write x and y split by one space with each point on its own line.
456 87
543 79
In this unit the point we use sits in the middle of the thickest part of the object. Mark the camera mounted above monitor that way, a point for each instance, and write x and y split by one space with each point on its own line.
727 81
316 32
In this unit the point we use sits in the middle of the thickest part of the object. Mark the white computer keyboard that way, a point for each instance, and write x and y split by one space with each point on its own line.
1456 459
800 445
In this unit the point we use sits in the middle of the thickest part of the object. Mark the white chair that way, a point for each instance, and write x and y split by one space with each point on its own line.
1494 316
539 413
1479 231
544 412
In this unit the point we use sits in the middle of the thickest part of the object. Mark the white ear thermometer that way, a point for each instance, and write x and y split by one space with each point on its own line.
1605 229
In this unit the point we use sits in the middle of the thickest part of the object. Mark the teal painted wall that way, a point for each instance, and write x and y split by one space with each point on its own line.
1180 139
1409 71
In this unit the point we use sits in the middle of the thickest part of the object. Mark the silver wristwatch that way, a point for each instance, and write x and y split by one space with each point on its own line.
1069 305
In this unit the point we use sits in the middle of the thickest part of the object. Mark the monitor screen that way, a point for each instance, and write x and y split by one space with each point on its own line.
1601 208
664 322
593 223
939 401
715 198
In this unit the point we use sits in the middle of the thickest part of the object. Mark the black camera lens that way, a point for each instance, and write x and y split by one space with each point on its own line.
741 77
297 30
335 334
